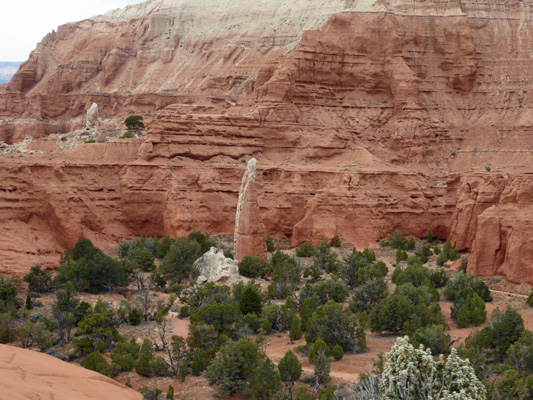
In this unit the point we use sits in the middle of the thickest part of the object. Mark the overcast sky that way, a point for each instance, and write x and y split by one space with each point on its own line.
25 22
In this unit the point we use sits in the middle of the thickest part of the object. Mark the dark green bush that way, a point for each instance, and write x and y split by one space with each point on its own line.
127 135
89 269
249 266
96 362
397 240
367 295
529 300
199 362
337 352
134 122
306 249
135 316
38 280
401 255
434 337
270 243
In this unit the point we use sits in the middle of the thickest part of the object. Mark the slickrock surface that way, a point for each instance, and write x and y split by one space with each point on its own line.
364 117
29 375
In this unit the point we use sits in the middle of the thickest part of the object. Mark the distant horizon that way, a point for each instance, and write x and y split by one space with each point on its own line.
23 30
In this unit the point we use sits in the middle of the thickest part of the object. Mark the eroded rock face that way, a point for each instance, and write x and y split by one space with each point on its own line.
150 55
250 234
377 121
493 219
213 266
29 374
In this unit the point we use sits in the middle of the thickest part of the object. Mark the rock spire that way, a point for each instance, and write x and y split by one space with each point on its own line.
250 233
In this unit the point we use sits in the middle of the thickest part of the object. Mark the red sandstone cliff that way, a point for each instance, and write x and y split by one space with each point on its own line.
384 118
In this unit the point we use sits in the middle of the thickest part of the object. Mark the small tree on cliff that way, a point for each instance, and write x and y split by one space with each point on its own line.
134 122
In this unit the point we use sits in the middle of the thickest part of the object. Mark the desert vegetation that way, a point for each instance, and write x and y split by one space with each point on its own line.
114 315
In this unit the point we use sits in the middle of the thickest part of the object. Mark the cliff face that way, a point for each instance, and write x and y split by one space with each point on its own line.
394 115
493 218
150 55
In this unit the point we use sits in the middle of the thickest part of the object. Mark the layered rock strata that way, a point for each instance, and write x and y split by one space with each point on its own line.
147 56
387 117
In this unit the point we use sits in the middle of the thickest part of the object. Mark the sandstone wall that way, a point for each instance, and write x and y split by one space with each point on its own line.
410 115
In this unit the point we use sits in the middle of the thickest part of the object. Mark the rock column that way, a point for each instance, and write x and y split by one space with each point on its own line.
250 233
92 117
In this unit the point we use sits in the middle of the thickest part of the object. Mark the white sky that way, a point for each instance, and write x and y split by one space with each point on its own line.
23 23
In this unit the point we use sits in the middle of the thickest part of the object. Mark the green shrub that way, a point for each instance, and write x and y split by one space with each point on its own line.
336 242
472 311
134 316
170 392
249 266
397 240
441 259
270 243
369 255
236 366
134 122
149 364
185 311
38 280
379 270
433 337
90 141
96 362
401 255
334 326
89 269
529 300
285 275
367 295
127 135
337 352
199 362
295 330
466 281
178 260
306 249
439 278
250 301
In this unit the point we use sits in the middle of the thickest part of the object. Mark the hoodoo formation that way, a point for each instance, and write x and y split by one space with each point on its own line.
250 234
364 117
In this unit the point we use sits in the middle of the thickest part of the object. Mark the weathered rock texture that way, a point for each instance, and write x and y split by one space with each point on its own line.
150 55
92 117
30 375
213 266
250 234
387 117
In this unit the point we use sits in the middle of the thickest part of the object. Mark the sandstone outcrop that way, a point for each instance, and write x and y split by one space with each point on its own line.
493 219
32 375
92 117
250 234
213 266
150 55
395 115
